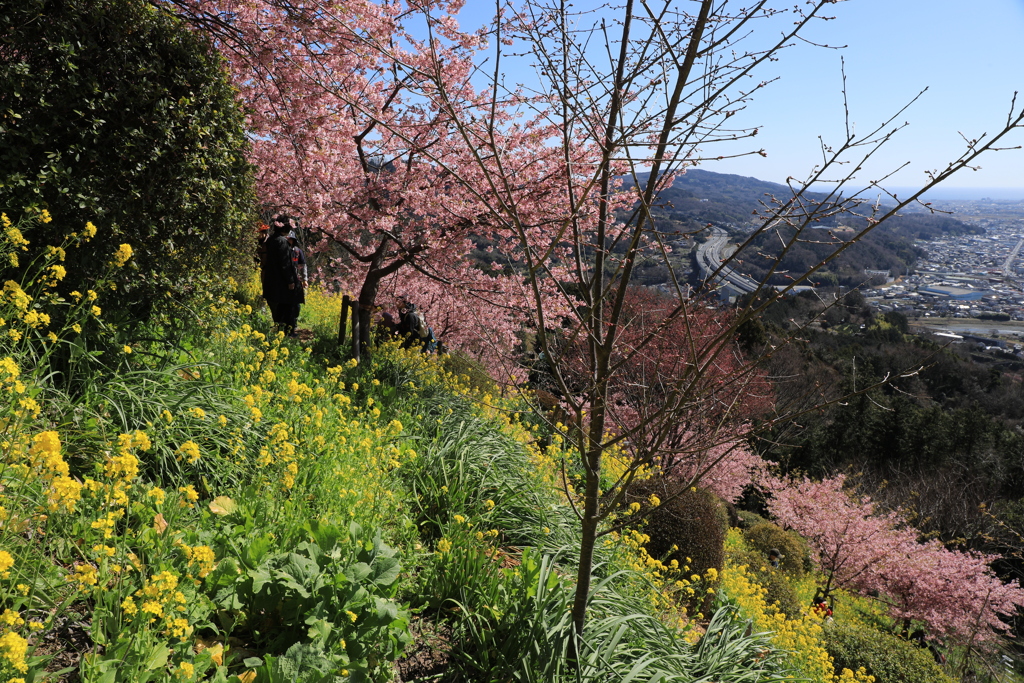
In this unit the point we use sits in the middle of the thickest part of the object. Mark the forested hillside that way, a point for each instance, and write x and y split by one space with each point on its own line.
699 197
939 437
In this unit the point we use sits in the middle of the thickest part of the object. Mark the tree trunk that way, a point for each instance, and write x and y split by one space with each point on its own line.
346 303
592 450
588 529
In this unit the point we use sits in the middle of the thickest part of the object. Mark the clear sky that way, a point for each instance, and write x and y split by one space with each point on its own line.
968 54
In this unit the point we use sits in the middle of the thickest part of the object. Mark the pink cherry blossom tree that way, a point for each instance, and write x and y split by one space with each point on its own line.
637 90
347 134
869 551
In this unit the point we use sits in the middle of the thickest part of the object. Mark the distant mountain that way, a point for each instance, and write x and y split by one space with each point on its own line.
699 197
739 203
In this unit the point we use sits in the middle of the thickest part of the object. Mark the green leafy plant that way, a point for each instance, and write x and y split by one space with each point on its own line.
329 599
888 658
131 125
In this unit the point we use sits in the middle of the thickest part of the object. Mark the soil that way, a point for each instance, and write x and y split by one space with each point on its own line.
66 642
429 657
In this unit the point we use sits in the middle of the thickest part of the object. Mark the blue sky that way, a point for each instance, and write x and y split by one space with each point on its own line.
968 55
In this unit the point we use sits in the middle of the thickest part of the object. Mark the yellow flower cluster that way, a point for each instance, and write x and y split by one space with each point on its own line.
190 451
801 636
14 295
13 234
13 649
125 465
161 604
122 255
11 619
6 562
201 557
86 575
9 372
63 492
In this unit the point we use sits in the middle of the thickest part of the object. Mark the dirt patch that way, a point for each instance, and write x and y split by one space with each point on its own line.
428 658
66 641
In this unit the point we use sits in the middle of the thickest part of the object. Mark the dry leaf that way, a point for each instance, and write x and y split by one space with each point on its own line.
222 505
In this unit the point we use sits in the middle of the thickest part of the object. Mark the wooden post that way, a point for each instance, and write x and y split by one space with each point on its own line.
343 320
355 330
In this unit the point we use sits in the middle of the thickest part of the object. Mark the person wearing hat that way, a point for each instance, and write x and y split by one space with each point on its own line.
281 286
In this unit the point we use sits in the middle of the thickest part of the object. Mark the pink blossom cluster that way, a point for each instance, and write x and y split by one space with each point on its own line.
864 549
725 468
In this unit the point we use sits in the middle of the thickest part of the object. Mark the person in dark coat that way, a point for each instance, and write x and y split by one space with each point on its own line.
413 329
299 261
281 286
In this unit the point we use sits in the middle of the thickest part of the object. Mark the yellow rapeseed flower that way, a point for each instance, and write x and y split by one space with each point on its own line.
6 562
85 575
190 493
36 319
157 494
129 607
13 293
190 450
11 619
13 648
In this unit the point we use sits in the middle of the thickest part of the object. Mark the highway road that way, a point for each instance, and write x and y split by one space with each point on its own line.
1008 263
709 258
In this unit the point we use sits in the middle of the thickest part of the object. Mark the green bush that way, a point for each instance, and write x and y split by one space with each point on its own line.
749 519
114 112
689 526
779 589
888 658
766 536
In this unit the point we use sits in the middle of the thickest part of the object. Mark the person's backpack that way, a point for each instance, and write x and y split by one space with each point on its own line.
419 325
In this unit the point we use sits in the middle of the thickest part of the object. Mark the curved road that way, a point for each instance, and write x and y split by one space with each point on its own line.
709 258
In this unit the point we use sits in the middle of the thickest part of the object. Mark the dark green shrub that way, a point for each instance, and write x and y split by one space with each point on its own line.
690 523
114 112
749 519
766 536
781 594
888 658
780 591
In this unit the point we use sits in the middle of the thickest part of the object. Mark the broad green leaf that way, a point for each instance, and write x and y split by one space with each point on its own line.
157 657
358 572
